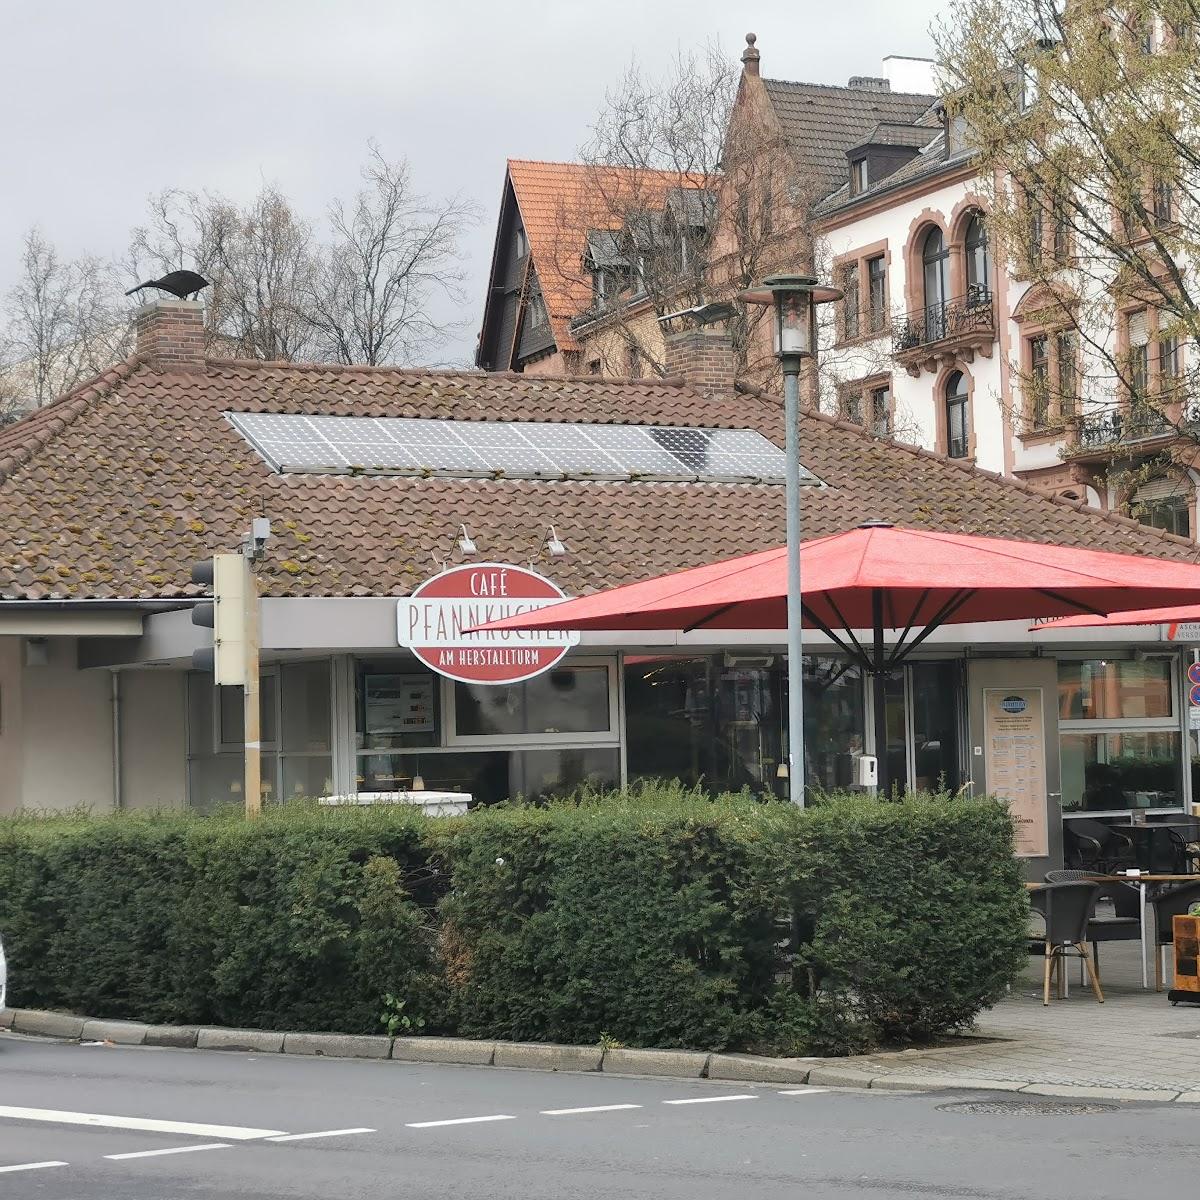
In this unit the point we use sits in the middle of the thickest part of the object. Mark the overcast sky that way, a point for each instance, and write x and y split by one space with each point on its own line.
105 103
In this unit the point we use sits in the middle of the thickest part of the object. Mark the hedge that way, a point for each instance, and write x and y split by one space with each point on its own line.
661 917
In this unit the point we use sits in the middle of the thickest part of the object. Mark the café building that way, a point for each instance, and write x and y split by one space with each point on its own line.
405 505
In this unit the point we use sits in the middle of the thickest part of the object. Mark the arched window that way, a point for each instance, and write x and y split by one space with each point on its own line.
978 266
935 259
957 433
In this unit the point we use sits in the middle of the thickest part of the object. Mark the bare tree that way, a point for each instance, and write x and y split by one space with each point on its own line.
63 325
1085 121
393 253
259 258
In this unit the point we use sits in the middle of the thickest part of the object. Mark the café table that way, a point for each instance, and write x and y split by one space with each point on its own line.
1139 879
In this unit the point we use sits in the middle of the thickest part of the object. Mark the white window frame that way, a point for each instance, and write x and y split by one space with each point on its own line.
530 741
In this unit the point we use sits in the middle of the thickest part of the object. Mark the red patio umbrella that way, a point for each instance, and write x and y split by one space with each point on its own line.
879 576
1175 615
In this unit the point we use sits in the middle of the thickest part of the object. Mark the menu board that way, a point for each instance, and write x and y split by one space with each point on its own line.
1015 763
399 704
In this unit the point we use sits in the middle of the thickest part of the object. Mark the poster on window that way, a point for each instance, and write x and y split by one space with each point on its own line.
398 704
1015 763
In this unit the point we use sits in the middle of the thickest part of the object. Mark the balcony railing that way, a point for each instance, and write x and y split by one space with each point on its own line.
1137 422
970 314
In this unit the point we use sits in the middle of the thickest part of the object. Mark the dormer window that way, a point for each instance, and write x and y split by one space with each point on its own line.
858 176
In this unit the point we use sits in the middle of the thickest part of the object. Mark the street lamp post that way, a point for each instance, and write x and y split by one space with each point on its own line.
795 299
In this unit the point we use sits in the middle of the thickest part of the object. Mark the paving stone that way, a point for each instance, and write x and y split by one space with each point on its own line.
443 1050
239 1039
123 1033
337 1045
181 1036
49 1024
754 1068
544 1057
676 1064
840 1077
1096 1093
1188 1098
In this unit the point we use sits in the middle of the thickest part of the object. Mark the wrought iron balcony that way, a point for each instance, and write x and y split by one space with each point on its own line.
1141 421
968 322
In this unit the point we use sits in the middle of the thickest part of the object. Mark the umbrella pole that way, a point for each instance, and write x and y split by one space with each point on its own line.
879 693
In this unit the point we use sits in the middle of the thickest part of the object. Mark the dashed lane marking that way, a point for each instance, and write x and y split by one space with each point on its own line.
171 1150
595 1108
709 1099
458 1121
323 1133
54 1116
31 1166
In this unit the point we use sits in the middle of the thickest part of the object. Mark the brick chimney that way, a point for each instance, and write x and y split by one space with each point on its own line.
750 55
170 333
701 354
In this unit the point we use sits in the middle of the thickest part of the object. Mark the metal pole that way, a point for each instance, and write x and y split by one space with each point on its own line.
251 712
879 696
795 637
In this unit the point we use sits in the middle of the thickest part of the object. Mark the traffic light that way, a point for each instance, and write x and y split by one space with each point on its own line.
225 614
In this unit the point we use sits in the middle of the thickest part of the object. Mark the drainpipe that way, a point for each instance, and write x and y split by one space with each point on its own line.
115 678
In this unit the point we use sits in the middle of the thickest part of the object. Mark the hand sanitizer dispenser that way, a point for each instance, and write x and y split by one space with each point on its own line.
866 773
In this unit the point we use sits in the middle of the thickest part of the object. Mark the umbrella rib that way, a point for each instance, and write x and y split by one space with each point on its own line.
912 619
939 618
846 626
712 616
855 654
1087 608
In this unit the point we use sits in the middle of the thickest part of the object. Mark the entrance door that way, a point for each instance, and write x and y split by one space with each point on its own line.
924 749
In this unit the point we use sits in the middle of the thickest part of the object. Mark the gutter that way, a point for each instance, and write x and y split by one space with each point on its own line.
150 606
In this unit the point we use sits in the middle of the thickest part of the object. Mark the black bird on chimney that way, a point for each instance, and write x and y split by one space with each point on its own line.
183 284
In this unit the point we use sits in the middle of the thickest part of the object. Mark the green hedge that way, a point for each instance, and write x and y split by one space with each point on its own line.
658 918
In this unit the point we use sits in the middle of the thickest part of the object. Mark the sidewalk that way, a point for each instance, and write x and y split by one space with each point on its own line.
1135 1041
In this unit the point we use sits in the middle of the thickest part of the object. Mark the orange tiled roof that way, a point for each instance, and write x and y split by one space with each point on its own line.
559 204
114 491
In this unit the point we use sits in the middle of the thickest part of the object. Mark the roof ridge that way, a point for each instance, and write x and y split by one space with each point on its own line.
1009 481
843 87
40 427
358 368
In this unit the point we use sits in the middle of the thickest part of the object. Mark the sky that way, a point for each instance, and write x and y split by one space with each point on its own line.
107 103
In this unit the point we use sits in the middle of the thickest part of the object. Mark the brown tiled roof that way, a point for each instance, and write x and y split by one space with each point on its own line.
822 122
114 491
559 203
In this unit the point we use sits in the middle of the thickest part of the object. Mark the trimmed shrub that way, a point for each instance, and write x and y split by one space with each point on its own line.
660 917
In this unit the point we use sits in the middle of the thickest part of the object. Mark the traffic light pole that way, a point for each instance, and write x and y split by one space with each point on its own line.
251 703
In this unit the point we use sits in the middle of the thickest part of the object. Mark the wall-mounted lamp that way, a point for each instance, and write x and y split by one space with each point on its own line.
465 542
554 545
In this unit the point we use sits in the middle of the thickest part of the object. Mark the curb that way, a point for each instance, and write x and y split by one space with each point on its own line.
859 1074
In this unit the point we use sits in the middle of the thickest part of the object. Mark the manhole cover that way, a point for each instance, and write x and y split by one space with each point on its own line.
1026 1108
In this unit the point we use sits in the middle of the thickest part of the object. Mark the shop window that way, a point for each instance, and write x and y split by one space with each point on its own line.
395 708
1114 689
563 701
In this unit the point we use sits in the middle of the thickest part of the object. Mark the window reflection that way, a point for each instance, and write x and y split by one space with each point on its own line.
1110 689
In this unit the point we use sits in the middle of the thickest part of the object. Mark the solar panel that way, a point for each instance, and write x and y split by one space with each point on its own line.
517 449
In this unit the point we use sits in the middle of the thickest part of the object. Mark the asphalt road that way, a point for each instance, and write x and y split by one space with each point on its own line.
224 1124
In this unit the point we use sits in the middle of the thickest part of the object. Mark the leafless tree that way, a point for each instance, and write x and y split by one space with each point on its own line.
392 254
259 259
63 325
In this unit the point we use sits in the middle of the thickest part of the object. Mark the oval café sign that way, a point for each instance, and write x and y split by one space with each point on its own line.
433 622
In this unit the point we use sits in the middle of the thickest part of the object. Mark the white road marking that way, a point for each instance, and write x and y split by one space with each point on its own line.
304 1137
803 1091
30 1166
458 1121
709 1099
570 1112
171 1150
236 1133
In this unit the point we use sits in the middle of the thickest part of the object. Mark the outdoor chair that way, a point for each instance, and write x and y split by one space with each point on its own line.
1067 908
1094 846
1124 926
1160 850
1171 900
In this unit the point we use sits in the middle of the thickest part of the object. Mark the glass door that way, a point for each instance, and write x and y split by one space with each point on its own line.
923 719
